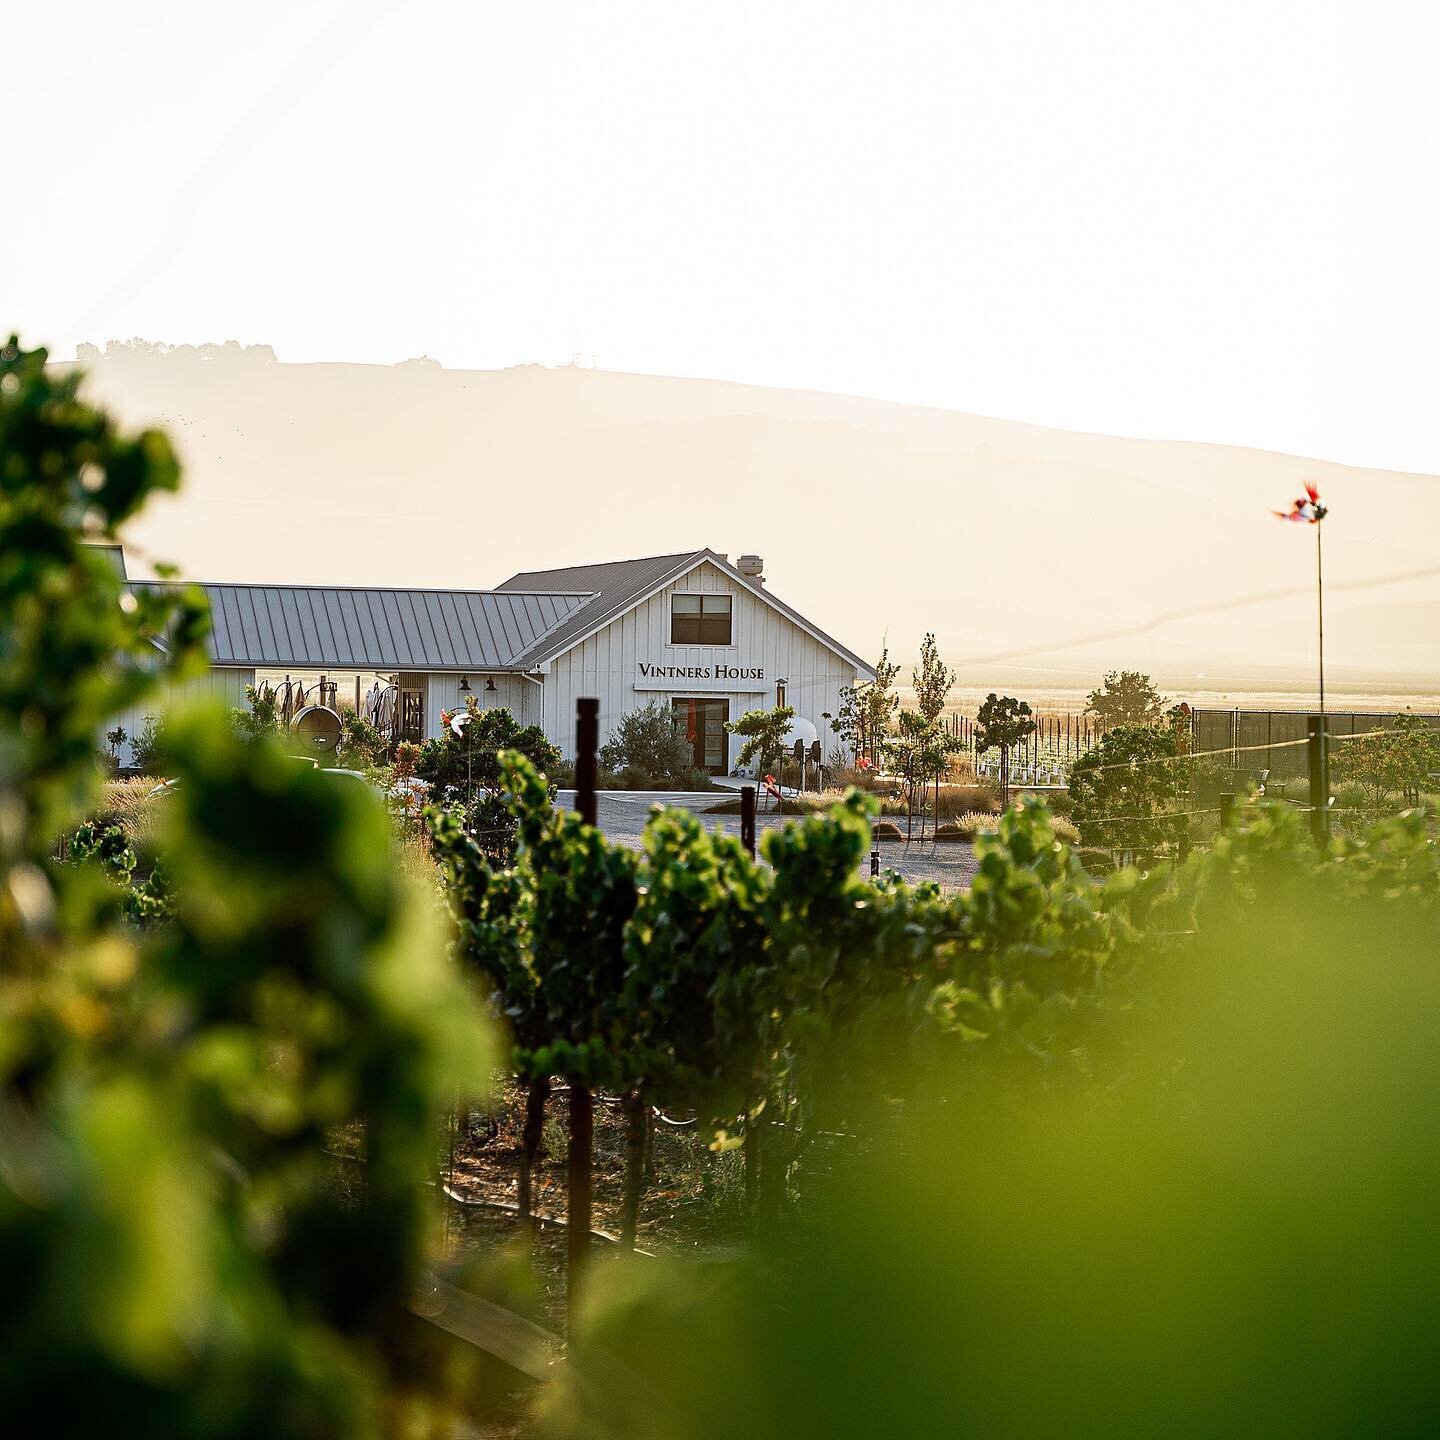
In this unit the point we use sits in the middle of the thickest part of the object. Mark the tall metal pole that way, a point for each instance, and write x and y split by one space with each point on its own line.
578 1160
1320 604
1319 779
1323 826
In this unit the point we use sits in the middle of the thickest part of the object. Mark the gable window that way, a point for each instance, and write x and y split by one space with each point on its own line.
700 619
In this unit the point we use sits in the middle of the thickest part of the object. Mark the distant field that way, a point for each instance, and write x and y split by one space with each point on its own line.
1062 701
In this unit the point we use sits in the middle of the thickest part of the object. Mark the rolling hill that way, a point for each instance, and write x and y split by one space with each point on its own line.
1037 556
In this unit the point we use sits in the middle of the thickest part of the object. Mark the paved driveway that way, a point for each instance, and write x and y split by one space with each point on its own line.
621 814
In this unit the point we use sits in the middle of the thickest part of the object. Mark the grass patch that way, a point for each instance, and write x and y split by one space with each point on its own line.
967 827
954 802
129 804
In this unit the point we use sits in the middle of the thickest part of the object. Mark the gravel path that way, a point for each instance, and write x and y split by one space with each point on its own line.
621 814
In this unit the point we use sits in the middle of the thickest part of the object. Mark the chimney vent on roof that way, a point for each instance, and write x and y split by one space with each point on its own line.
752 567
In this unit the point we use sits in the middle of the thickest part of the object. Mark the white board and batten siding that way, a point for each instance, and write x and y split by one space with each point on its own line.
609 663
219 685
521 697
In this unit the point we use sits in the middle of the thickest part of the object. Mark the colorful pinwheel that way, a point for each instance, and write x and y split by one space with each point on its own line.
1307 510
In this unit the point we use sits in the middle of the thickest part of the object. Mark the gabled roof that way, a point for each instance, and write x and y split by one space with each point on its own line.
620 585
320 627
616 586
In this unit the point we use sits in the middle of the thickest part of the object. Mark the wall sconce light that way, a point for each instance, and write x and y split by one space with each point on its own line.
490 684
464 684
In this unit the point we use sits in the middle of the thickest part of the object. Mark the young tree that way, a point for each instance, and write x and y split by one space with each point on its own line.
1389 764
1125 697
920 749
147 749
764 733
867 710
406 791
1123 793
263 716
932 679
1001 724
363 746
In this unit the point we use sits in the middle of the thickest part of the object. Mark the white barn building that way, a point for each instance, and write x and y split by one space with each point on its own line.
690 630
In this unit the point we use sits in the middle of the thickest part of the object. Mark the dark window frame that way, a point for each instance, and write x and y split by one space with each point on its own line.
710 622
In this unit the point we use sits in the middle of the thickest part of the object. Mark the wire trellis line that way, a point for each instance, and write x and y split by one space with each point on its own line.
1196 755
1153 815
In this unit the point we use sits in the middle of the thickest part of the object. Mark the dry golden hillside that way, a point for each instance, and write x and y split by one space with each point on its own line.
1013 542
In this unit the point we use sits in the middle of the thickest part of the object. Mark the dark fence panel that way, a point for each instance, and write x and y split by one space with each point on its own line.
1219 730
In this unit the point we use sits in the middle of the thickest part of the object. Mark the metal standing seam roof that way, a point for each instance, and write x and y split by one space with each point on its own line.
334 627
619 584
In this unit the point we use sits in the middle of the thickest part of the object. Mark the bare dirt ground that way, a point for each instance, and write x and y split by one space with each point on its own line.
693 1200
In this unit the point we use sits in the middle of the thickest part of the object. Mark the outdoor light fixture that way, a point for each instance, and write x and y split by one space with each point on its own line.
490 684
464 684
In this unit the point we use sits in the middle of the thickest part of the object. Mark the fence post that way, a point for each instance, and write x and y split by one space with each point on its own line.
1316 752
582 1104
1227 808
747 818
587 744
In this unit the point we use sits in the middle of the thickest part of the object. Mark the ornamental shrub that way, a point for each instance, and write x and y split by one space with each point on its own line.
646 752
147 749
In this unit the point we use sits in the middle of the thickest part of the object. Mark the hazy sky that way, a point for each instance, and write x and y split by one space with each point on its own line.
1209 221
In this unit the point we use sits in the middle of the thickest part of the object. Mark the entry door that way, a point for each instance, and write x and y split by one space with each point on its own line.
412 715
702 723
410 707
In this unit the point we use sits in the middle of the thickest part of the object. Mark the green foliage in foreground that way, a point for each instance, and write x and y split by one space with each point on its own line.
771 998
76 648
1151 1156
176 1256
1215 1216
144 899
